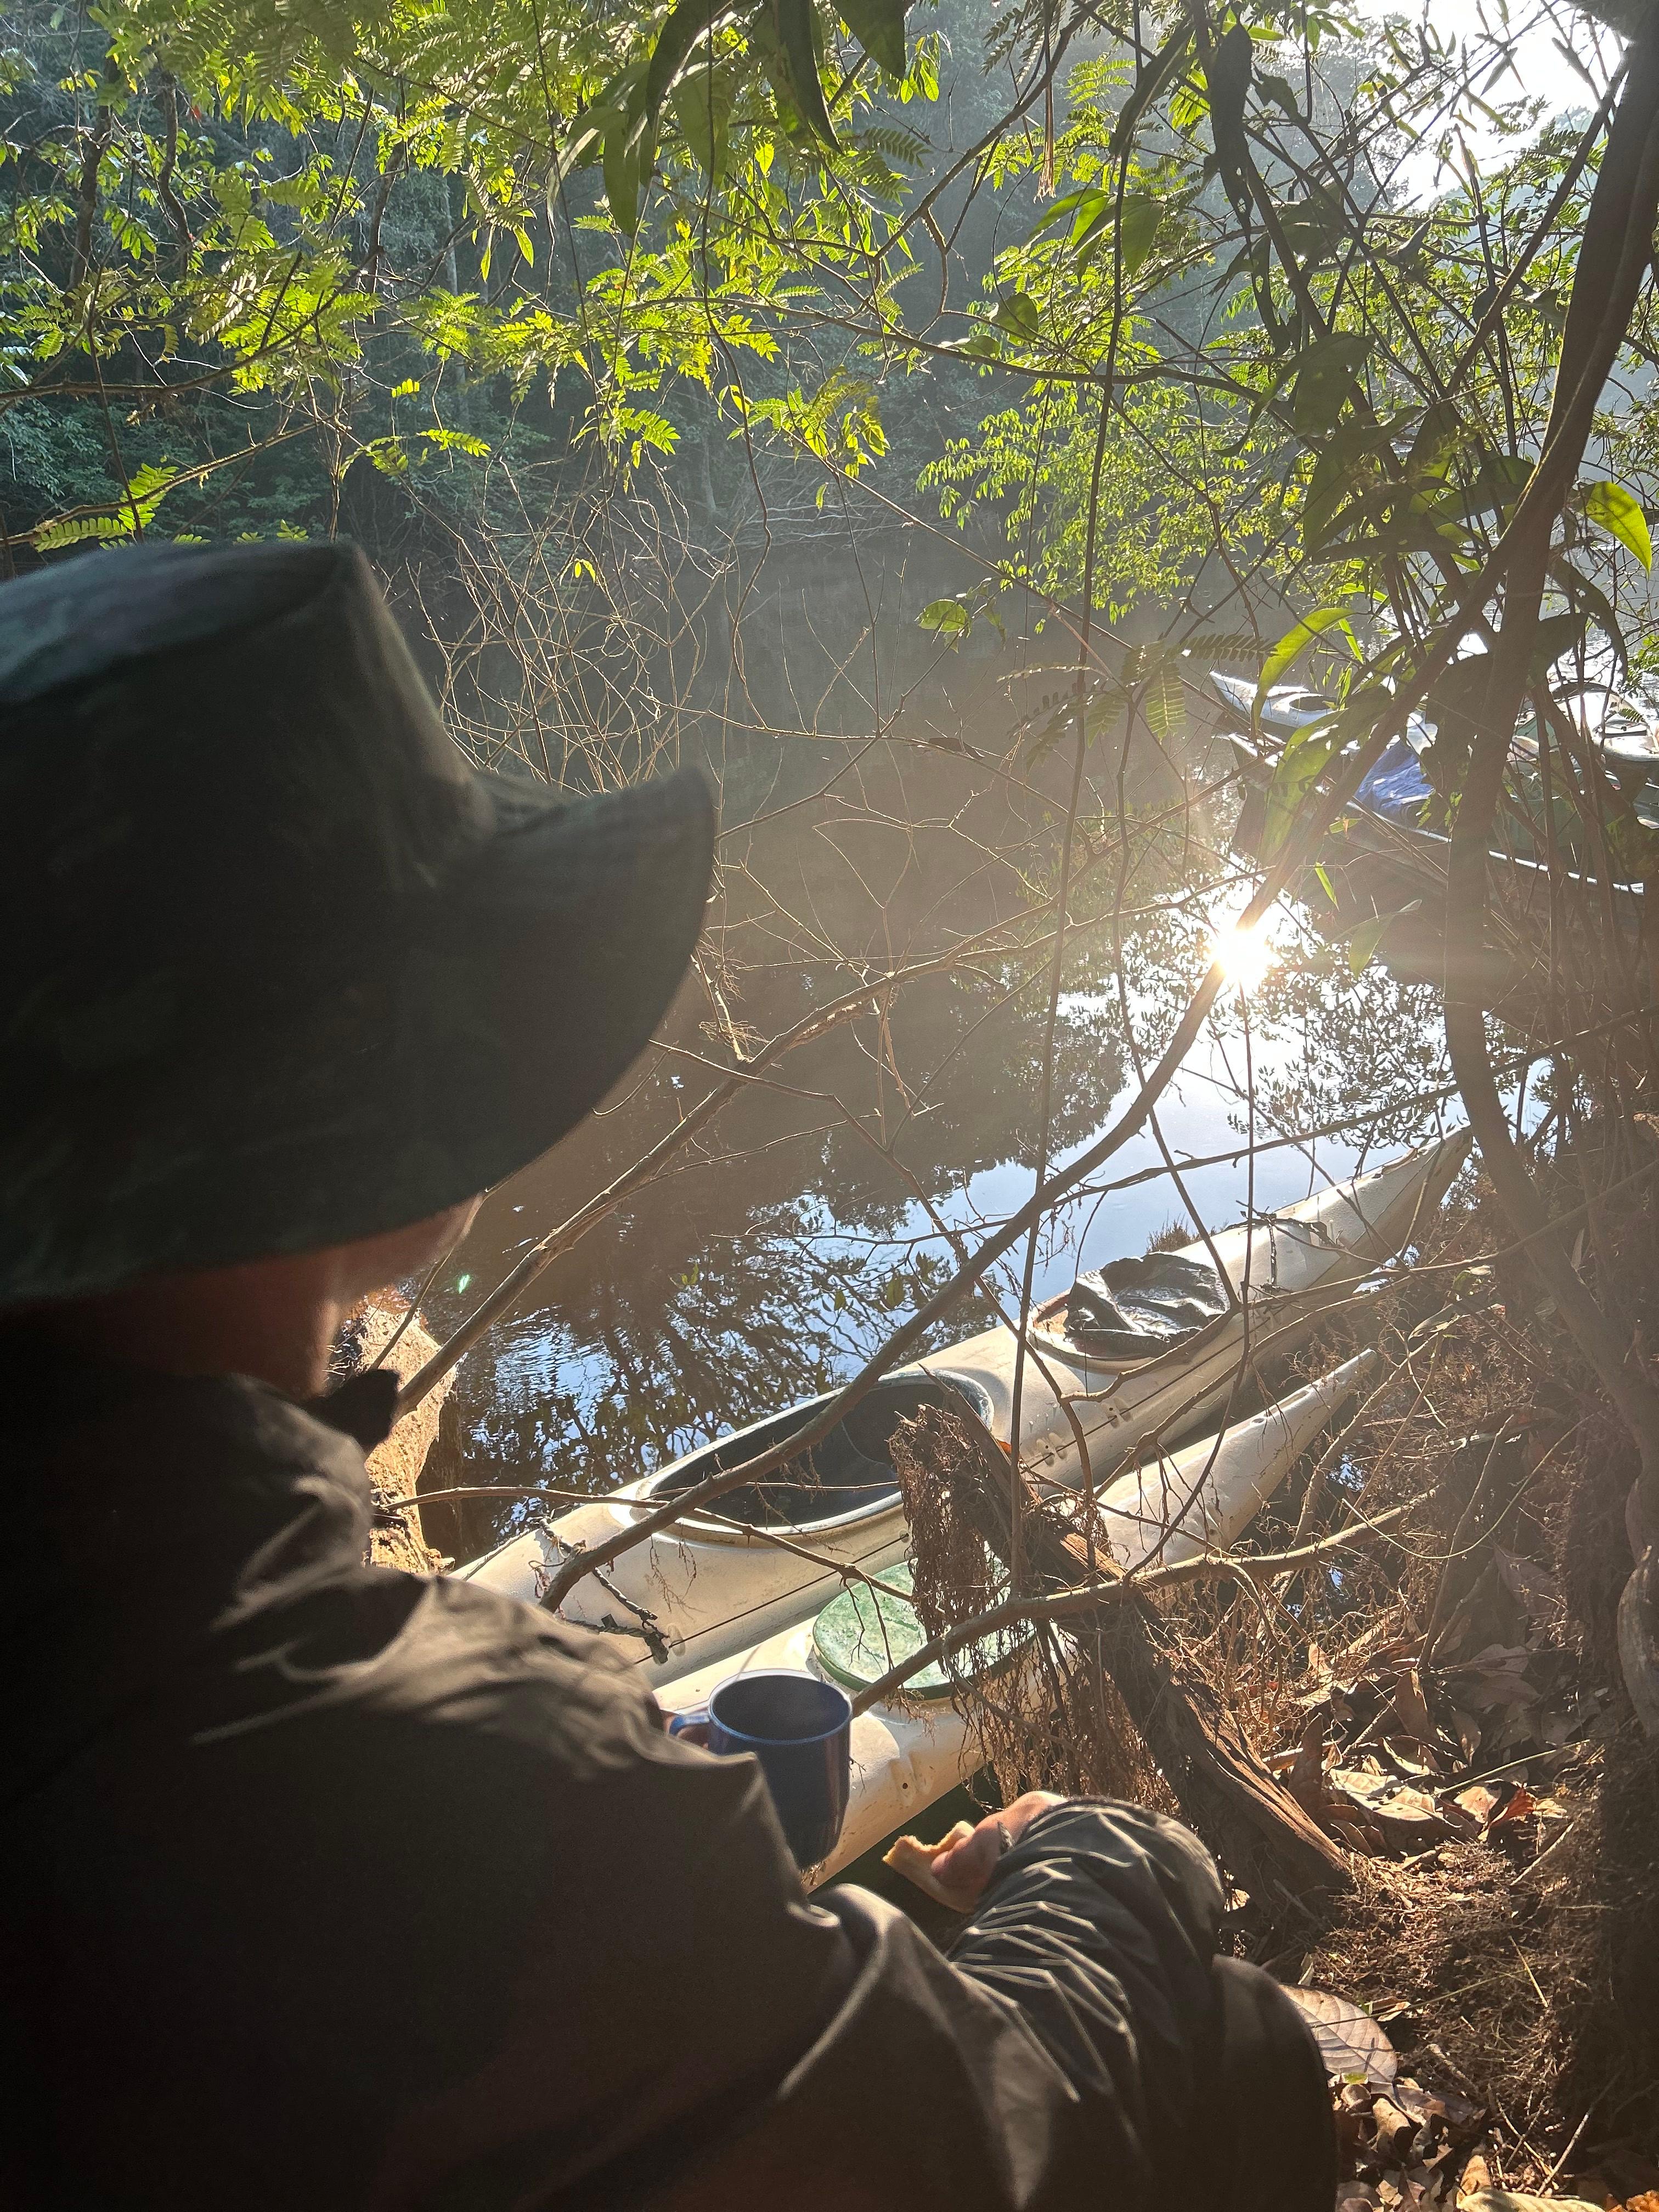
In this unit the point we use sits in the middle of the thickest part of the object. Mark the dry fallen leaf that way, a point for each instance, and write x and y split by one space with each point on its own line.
1498 1686
1519 1804
1419 2104
1468 1731
1476 2176
1406 1815
1395 2128
1480 1802
1410 1712
1352 2045
1516 2200
1413 1757
1305 1776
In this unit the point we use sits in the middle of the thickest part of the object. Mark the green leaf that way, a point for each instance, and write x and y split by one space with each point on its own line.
1092 212
1364 942
51 536
1017 315
1621 515
879 27
1325 374
389 455
622 176
1347 466
684 26
1191 102
1095 215
979 345
1294 643
1302 760
1325 883
1142 214
1556 634
146 489
589 135
702 101
458 441
1581 591
1306 753
1150 84
1230 69
794 27
949 616
1439 434
1501 479
1362 946
146 486
403 391
1277 89
1164 703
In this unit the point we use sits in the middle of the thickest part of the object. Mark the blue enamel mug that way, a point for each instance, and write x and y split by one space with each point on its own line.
800 1729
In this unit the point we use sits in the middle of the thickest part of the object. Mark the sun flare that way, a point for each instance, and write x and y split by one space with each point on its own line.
1245 955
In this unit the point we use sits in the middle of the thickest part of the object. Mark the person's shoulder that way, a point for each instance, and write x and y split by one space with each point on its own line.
470 1660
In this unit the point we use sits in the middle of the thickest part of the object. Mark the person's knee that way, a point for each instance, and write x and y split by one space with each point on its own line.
1276 2126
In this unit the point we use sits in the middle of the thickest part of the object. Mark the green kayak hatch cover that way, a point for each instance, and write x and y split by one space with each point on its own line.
862 1633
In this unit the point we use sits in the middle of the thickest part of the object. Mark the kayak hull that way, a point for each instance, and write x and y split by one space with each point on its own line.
1203 1497
1285 1271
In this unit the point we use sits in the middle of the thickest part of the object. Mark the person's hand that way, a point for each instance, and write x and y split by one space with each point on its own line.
965 1869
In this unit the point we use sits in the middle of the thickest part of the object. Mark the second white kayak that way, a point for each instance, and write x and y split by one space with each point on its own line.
904 1756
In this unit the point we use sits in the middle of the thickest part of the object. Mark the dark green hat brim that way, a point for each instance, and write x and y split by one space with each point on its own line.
281 969
497 1009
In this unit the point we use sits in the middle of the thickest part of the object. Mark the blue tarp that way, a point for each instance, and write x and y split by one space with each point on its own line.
1396 787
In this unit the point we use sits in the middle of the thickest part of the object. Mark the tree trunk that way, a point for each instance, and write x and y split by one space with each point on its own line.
1612 264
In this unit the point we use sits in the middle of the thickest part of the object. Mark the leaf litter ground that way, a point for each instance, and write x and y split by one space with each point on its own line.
1447 1709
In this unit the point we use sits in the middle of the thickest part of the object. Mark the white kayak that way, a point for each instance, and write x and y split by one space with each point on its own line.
722 1581
1284 1270
905 1757
719 1580
1202 1499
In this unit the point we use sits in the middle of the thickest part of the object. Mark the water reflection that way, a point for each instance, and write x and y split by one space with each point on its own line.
776 1251
766 1261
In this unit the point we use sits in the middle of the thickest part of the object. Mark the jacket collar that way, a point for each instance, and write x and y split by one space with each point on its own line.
45 1384
156 1517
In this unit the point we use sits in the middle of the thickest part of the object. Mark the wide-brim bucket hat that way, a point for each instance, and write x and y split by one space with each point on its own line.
280 968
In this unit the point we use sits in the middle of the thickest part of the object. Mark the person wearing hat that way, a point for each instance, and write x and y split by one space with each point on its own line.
330 1885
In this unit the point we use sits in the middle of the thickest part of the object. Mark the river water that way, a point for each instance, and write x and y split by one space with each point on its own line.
774 1254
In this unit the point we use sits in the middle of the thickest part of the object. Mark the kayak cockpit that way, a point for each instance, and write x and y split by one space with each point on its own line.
846 1477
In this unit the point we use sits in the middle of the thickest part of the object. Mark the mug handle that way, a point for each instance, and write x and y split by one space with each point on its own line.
694 1724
